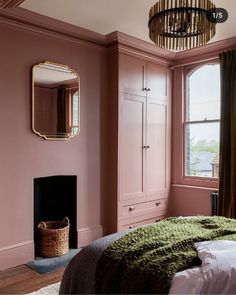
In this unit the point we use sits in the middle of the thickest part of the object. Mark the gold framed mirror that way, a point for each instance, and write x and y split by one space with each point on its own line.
55 101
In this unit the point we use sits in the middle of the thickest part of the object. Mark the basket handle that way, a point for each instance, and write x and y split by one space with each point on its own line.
66 219
42 224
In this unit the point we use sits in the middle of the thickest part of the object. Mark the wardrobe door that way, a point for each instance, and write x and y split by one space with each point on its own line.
132 111
157 81
132 75
158 151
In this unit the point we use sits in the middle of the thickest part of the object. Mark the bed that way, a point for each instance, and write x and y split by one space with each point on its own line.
194 255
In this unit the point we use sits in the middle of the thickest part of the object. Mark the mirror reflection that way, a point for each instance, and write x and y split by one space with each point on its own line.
55 103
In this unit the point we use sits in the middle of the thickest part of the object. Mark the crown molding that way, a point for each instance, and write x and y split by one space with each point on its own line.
208 51
131 44
10 3
23 18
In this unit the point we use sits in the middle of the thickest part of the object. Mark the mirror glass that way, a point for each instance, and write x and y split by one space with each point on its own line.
55 101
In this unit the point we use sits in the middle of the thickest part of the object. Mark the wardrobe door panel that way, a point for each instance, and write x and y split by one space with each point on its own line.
156 153
157 81
131 135
132 75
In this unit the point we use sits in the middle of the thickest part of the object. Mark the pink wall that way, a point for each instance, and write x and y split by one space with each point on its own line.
190 200
25 156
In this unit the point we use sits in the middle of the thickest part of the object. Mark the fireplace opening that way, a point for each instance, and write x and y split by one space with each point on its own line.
55 197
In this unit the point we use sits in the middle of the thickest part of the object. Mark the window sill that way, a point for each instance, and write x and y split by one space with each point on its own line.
199 182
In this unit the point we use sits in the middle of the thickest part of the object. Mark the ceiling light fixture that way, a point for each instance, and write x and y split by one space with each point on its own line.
10 3
181 24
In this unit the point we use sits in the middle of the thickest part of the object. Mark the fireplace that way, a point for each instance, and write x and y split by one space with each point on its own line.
55 197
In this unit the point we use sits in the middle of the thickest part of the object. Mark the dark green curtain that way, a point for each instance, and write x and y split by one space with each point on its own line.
61 110
227 177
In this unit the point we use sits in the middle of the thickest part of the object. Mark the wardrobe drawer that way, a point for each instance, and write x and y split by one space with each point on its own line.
128 224
143 208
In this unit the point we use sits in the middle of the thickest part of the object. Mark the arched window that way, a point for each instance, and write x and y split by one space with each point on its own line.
201 122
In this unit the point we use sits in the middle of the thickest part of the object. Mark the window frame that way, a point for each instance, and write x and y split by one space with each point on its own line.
179 155
186 122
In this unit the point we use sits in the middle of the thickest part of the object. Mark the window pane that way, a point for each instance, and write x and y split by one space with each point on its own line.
75 109
203 94
75 112
202 149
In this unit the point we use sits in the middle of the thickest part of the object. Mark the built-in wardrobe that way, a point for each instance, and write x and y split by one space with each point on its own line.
139 138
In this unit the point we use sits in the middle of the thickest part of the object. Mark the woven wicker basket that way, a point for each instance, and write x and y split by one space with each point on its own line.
53 238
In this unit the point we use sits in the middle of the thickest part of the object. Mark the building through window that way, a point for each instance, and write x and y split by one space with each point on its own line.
202 122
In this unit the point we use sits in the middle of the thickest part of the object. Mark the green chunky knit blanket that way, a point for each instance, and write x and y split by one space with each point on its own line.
145 260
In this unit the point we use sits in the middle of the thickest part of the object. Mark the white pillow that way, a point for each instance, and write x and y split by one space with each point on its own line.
218 268
188 281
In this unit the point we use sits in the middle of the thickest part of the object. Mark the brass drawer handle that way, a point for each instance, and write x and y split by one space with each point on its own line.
158 203
131 208
132 226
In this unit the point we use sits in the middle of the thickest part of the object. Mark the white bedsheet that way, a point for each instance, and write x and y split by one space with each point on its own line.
216 275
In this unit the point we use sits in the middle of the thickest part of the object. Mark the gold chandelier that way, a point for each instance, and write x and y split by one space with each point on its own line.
181 24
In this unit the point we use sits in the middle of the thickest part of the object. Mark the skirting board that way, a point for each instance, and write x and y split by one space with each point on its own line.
21 253
89 234
16 254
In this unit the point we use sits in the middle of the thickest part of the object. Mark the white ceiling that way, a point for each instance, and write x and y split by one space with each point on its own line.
48 76
127 16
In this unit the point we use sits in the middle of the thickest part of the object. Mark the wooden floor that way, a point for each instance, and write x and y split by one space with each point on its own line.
23 280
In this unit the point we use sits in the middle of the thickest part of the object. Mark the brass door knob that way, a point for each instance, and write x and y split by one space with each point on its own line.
158 203
132 226
131 208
